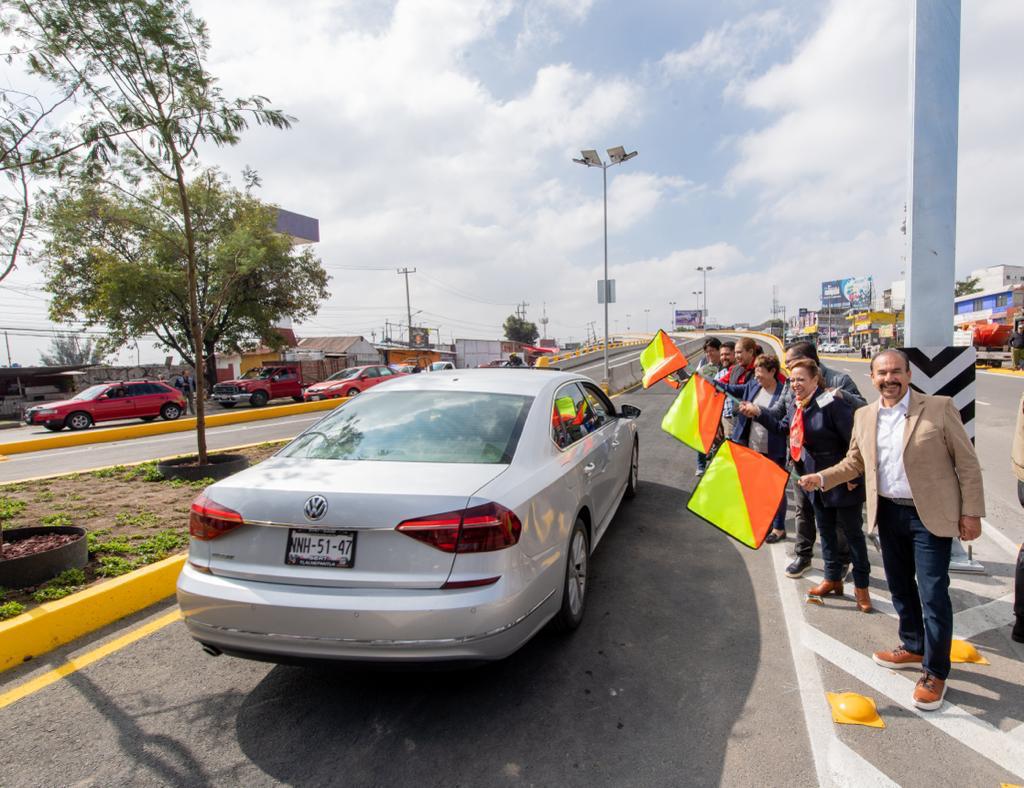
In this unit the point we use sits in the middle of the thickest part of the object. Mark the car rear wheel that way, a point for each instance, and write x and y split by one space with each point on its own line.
79 420
575 584
258 399
297 399
352 392
634 471
170 411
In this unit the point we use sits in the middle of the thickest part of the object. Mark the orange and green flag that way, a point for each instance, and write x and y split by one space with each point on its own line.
660 359
739 493
695 414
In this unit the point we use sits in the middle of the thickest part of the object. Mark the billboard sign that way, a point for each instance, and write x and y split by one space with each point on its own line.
420 337
850 293
687 318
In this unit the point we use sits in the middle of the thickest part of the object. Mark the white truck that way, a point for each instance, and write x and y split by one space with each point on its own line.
473 353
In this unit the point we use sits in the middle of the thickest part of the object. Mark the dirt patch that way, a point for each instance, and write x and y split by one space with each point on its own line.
131 515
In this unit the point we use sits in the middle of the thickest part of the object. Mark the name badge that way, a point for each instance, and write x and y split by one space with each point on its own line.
824 400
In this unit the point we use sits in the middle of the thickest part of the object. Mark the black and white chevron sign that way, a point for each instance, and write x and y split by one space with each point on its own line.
948 372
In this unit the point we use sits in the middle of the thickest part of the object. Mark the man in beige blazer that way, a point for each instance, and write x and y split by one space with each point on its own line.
923 485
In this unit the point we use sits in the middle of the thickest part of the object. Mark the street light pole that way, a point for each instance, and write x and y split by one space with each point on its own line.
647 325
698 294
704 314
590 158
672 322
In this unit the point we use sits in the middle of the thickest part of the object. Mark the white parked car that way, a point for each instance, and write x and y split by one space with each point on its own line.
441 517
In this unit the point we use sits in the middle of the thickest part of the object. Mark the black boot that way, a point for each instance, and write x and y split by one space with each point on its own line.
1018 630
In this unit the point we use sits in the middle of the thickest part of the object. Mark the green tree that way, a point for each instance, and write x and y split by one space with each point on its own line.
146 103
67 351
966 286
518 329
120 262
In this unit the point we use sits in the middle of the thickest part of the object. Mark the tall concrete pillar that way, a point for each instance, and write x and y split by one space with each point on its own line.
932 157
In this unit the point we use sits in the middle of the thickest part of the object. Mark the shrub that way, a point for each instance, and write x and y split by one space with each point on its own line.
10 610
114 565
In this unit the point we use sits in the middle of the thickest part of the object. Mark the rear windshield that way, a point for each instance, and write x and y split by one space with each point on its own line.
418 426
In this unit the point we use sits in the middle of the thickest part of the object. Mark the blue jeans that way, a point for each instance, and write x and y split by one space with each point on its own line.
848 519
923 605
779 523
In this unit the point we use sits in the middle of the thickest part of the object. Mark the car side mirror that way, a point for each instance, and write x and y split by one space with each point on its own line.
629 412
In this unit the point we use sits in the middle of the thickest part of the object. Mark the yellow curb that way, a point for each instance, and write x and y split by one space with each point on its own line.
55 623
161 428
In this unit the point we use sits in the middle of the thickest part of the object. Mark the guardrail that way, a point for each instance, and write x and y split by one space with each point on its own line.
548 360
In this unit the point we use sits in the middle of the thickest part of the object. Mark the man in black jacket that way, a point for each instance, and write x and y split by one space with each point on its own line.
1017 345
841 385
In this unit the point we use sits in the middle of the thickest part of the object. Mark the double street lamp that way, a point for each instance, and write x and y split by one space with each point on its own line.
704 314
672 322
590 158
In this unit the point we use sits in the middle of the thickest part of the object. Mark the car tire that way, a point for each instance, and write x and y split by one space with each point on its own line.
298 399
634 471
79 420
170 411
147 418
575 581
227 404
54 427
258 399
352 392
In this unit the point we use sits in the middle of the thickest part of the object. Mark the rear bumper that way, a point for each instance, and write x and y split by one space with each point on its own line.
393 625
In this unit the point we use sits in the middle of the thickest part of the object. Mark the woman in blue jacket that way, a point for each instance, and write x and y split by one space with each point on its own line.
819 428
762 389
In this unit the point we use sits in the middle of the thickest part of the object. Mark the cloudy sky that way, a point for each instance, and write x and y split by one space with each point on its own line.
439 135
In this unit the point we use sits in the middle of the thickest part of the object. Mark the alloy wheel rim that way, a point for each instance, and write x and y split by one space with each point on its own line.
577 573
79 421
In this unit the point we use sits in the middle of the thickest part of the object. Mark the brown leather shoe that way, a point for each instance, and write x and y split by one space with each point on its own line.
863 597
898 659
826 587
929 692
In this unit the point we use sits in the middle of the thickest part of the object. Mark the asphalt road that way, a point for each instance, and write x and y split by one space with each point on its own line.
698 663
675 677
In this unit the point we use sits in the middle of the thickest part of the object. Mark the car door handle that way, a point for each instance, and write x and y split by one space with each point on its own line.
589 467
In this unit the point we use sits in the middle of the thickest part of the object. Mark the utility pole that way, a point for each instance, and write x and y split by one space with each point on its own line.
408 306
521 310
544 319
7 340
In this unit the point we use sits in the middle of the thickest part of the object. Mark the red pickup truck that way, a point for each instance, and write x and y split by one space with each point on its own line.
259 386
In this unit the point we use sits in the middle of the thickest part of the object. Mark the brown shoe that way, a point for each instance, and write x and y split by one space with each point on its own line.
863 597
826 587
898 659
929 692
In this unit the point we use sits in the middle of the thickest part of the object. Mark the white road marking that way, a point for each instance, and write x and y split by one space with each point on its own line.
985 739
835 763
991 615
997 536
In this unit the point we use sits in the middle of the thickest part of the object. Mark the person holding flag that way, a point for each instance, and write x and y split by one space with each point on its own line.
709 368
763 390
819 426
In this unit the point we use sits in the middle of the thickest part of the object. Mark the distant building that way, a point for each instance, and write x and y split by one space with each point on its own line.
354 349
997 277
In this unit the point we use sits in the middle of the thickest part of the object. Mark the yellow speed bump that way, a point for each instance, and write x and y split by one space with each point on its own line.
849 708
962 651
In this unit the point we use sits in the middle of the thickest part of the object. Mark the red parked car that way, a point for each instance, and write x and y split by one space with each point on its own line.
349 382
129 399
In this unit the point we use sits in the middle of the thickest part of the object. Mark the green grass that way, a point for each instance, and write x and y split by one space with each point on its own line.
57 520
44 496
196 484
118 545
114 565
10 508
161 544
137 519
67 582
109 473
10 610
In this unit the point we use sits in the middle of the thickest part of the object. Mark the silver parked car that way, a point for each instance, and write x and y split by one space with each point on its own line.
442 517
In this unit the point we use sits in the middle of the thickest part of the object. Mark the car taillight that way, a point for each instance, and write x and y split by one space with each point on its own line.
207 519
479 529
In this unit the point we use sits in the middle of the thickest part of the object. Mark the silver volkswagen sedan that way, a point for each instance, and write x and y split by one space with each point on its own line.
438 517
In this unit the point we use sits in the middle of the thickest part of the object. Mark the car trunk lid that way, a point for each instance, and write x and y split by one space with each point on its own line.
366 499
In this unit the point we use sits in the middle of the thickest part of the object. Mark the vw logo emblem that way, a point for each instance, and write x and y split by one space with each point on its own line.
315 508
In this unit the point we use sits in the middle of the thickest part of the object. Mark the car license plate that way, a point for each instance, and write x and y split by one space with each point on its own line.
336 549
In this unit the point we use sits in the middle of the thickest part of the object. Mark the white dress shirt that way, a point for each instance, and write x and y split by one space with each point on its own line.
892 475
